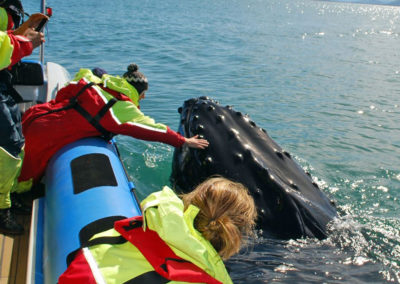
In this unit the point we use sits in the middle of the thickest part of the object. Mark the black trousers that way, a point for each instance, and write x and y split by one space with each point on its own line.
11 137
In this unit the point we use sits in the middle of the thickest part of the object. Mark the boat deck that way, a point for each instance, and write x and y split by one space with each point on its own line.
14 255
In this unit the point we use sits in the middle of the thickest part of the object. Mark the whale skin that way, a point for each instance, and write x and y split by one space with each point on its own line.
289 203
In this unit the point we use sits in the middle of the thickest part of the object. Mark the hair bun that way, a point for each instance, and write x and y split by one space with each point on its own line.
133 67
213 225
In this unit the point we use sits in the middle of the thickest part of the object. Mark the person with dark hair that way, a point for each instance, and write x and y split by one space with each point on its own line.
14 45
92 106
184 240
14 10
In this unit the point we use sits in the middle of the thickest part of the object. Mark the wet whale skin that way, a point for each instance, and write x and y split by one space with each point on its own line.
289 203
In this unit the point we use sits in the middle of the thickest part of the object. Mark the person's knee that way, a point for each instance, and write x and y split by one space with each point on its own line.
10 167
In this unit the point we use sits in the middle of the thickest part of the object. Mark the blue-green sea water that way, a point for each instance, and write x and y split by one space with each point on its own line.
322 77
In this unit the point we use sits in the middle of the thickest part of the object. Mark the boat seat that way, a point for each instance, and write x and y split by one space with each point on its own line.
28 72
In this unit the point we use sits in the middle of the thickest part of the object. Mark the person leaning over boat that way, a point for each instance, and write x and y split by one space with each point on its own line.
175 240
14 45
91 106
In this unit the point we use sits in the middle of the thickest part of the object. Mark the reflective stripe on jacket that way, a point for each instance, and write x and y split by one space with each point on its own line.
178 252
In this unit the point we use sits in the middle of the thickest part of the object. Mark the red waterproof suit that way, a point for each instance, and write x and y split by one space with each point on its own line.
46 134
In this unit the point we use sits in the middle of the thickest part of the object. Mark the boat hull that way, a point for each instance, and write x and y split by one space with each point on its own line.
85 182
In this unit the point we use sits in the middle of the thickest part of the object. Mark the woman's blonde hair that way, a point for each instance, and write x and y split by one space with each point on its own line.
227 213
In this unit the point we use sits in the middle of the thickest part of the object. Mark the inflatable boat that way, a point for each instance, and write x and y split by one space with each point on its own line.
84 182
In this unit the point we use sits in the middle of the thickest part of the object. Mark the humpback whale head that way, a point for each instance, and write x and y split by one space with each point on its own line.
290 204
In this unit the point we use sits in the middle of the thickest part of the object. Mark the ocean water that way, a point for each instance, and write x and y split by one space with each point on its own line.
322 77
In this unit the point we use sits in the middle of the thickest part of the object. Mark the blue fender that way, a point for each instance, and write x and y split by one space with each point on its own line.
85 181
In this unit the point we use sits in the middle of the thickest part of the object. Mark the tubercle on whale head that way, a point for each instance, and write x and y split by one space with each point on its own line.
220 118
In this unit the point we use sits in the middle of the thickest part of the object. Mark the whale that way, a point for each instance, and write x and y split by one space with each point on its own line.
290 204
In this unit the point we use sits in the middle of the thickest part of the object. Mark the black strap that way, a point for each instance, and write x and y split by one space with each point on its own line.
168 259
133 224
95 123
86 234
72 101
117 240
93 120
104 109
150 277
95 227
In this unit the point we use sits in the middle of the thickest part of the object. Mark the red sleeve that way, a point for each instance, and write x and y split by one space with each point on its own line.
22 47
168 137
174 138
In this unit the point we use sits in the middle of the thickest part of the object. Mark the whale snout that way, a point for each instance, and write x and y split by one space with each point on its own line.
289 203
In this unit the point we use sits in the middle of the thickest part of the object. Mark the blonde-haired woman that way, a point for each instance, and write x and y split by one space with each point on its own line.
180 240
227 213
